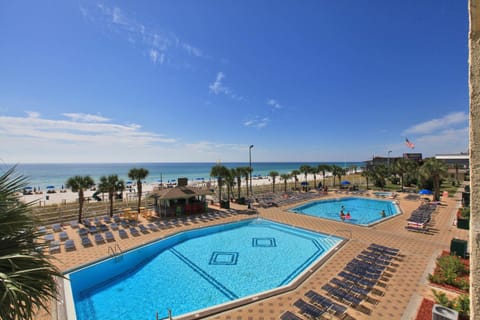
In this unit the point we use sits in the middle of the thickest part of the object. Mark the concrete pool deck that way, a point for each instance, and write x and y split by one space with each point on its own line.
405 290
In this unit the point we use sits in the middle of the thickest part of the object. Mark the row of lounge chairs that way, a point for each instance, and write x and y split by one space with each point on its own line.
353 286
421 217
271 199
102 230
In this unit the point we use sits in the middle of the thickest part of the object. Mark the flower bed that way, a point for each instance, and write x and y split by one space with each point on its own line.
459 284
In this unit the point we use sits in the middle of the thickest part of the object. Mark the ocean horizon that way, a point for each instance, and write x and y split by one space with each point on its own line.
41 175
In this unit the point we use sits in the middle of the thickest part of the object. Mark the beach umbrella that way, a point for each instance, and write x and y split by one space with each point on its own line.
50 187
425 191
345 182
28 188
304 183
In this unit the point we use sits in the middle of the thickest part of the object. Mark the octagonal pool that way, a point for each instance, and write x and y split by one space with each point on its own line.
195 270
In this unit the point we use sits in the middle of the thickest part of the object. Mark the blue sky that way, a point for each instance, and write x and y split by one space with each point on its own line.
133 81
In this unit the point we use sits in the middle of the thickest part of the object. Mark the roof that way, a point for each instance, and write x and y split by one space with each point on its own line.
452 156
179 193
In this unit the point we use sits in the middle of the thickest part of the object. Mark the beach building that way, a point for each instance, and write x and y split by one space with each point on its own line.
458 165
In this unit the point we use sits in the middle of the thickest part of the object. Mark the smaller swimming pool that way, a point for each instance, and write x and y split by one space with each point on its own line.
363 211
383 193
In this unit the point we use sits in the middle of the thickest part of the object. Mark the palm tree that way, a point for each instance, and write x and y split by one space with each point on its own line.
323 168
337 172
219 172
436 170
27 275
238 173
111 185
295 174
273 174
403 166
305 169
367 174
229 181
80 184
285 177
314 171
138 174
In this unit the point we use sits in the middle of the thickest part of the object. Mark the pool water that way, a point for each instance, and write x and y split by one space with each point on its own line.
197 269
363 211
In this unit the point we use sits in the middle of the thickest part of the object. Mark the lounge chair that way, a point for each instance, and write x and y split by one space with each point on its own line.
114 226
73 224
143 229
122 234
63 236
308 309
49 237
109 236
103 227
152 227
99 238
86 242
42 229
54 247
92 229
326 303
107 219
69 245
288 315
134 232
56 227
82 232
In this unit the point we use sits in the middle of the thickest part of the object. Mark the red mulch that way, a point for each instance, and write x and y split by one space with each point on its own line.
425 311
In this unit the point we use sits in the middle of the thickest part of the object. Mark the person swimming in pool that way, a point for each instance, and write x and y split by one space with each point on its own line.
342 215
383 214
348 216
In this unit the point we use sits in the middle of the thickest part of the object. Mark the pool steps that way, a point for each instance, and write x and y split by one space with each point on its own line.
112 251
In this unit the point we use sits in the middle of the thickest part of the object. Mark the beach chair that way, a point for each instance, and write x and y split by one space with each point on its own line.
99 238
107 219
54 247
114 226
152 227
326 303
56 227
288 315
86 242
69 245
42 229
308 310
63 236
122 234
143 229
49 237
82 232
109 236
103 227
74 224
134 232
92 229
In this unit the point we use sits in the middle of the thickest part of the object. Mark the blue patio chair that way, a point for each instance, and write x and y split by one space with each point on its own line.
109 236
69 245
99 238
82 232
73 224
326 303
63 236
103 228
114 226
308 309
92 229
143 229
86 242
49 237
122 234
288 315
54 247
134 232
152 227
56 227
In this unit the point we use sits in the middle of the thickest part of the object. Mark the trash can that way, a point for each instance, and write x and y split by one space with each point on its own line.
458 248
47 197
440 312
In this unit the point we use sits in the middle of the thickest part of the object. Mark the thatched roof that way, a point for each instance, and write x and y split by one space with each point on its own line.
179 193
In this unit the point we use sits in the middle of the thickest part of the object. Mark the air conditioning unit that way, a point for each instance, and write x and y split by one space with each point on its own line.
443 313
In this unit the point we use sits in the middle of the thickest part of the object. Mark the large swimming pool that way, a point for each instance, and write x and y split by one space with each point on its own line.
195 270
363 211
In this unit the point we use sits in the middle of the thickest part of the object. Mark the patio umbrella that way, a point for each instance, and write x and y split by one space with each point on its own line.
304 183
28 188
344 182
425 191
50 187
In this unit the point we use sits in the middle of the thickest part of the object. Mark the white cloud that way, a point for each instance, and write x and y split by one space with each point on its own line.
85 117
156 43
439 123
257 122
217 86
274 103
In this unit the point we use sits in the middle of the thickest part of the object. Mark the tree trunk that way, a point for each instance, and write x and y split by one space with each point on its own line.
139 194
80 205
110 198
474 146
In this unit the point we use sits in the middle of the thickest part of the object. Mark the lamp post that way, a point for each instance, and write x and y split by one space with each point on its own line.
388 161
250 165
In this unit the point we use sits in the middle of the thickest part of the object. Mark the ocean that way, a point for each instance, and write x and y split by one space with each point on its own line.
56 174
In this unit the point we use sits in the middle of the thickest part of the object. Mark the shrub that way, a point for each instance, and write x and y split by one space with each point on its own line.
460 304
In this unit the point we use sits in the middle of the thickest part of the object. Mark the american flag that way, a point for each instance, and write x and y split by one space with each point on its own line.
409 144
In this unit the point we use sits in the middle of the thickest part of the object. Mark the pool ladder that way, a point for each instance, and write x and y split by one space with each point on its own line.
112 251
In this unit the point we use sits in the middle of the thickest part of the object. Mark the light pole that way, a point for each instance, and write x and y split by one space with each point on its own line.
388 161
250 165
